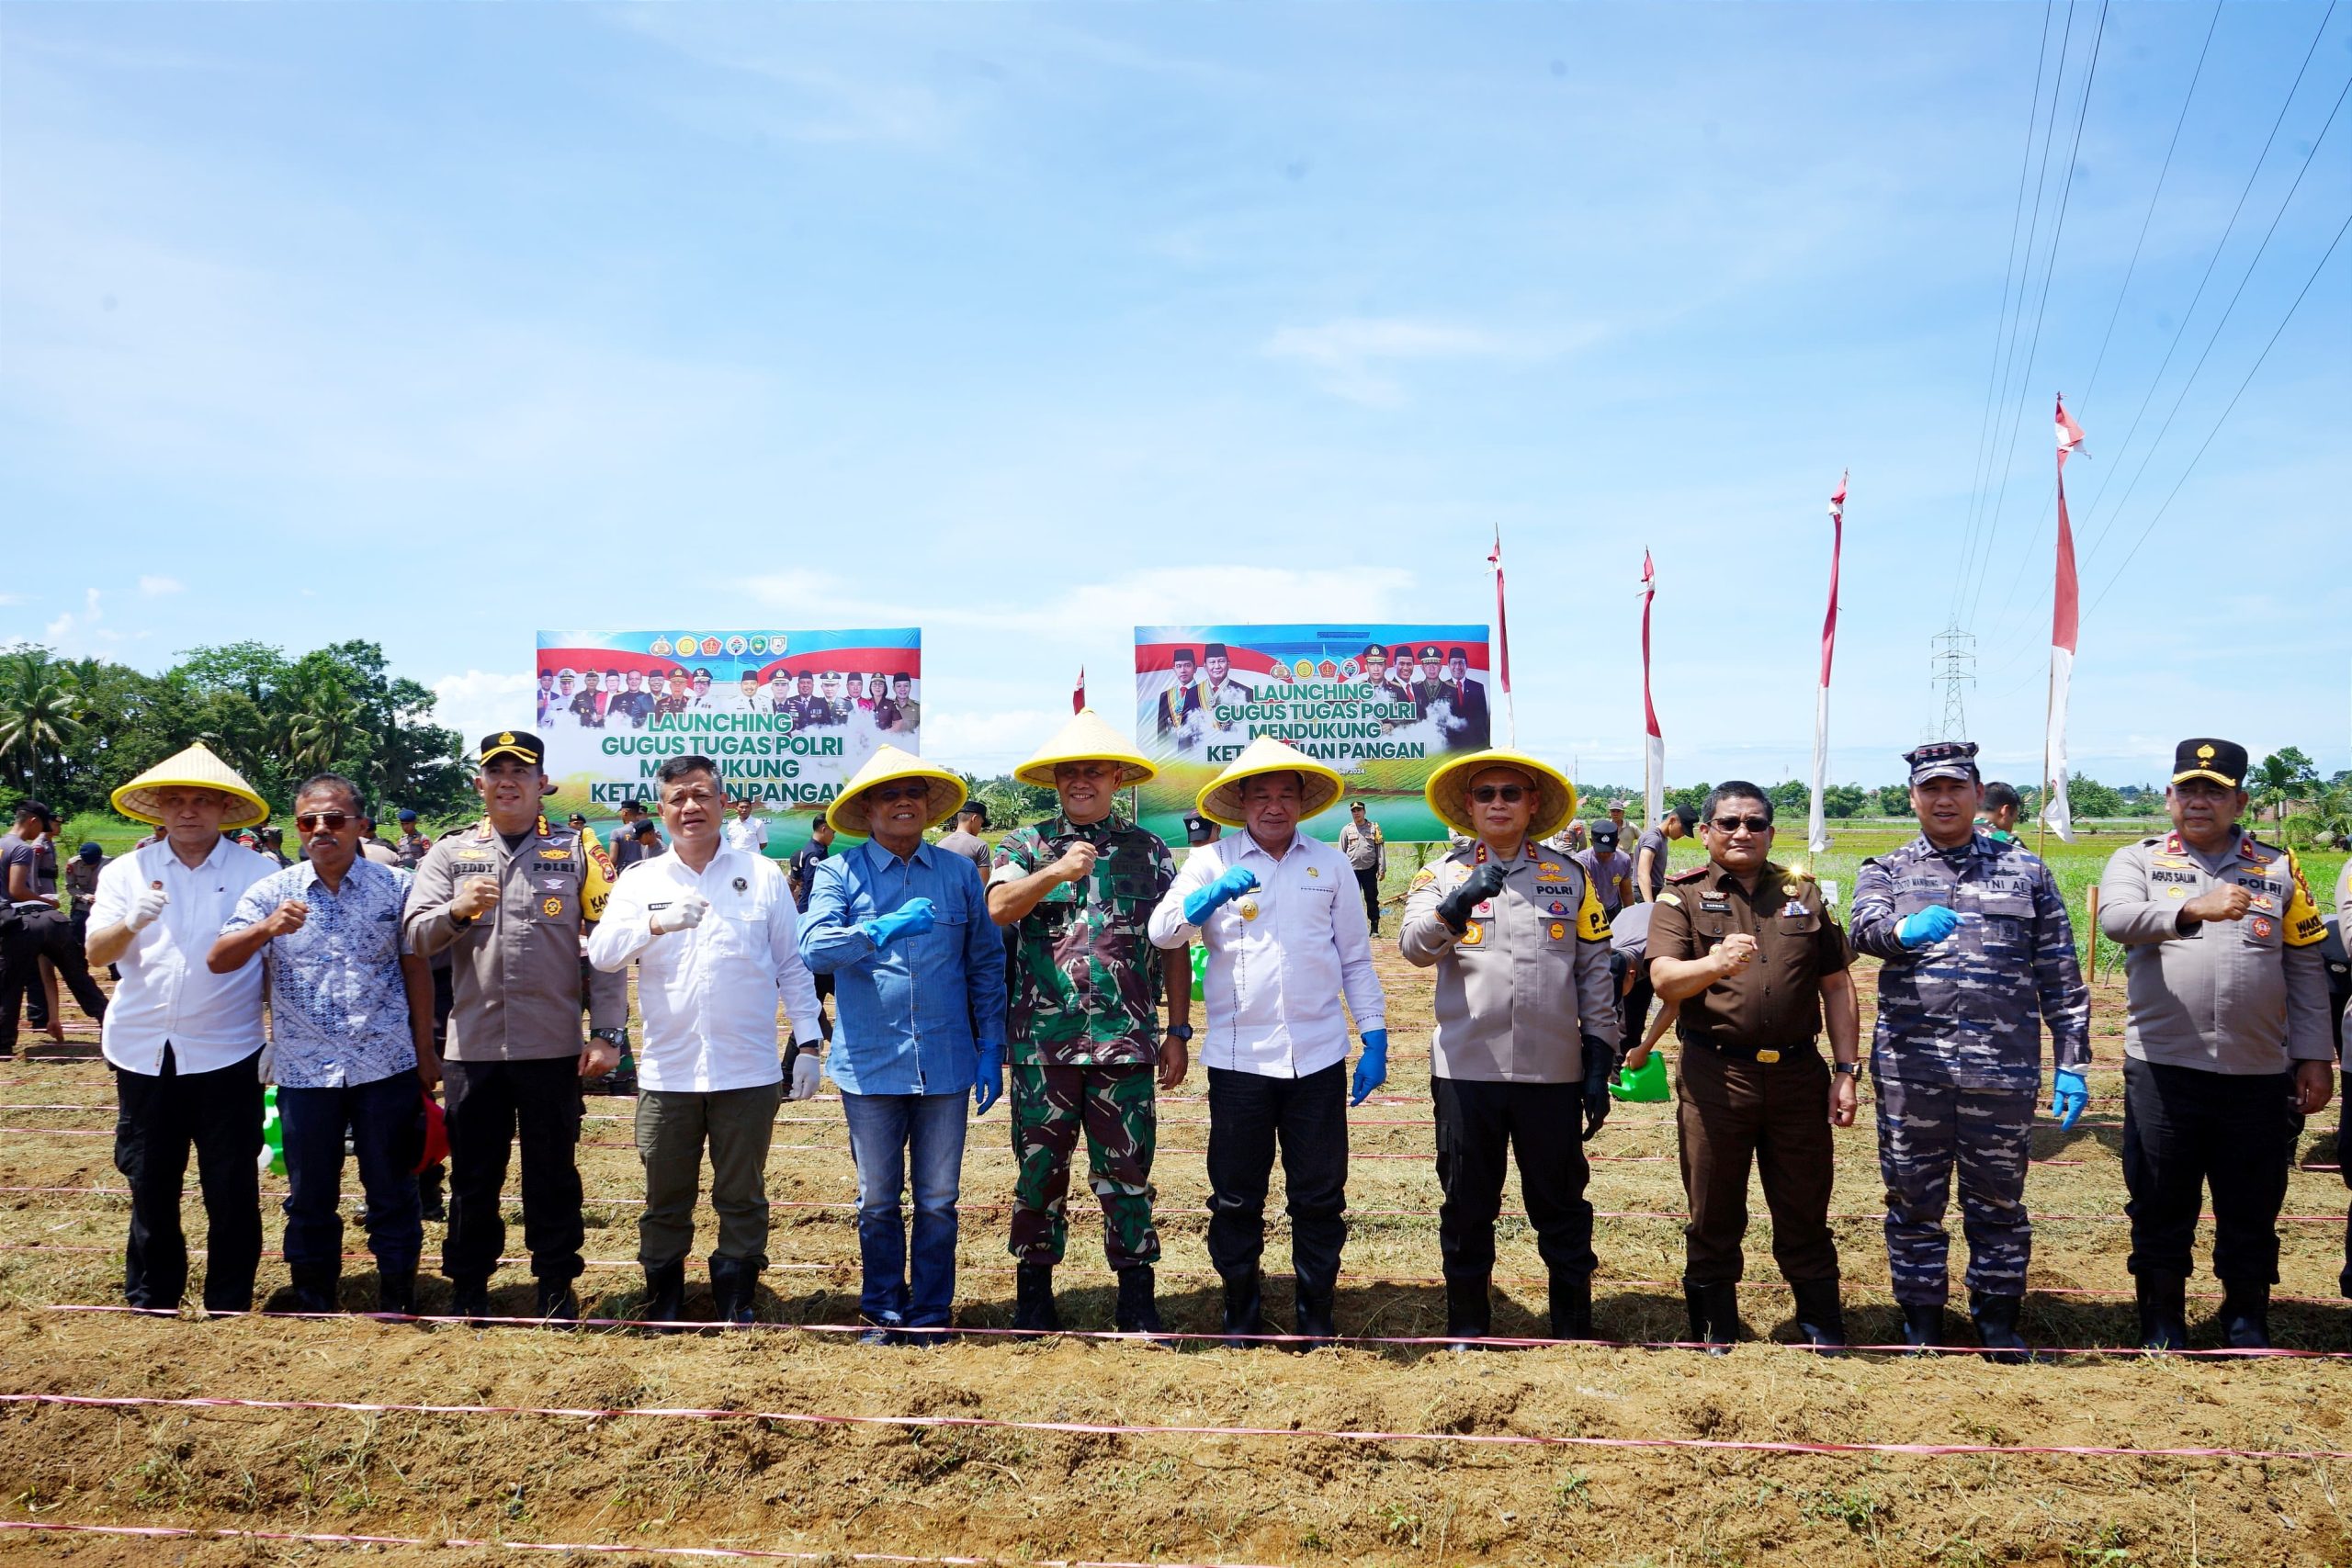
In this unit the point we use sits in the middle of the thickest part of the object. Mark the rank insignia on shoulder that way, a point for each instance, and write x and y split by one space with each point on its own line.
1673 898
1692 874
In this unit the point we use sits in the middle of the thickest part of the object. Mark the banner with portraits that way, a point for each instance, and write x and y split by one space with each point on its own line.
1384 703
788 715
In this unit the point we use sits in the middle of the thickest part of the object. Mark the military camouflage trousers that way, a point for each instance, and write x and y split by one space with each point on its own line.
1116 1107
1925 1131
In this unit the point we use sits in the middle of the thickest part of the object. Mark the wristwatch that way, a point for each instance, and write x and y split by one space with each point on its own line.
1179 1033
609 1036
1851 1069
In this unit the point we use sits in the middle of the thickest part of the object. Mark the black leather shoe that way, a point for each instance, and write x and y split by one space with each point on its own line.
2164 1309
2246 1314
1033 1303
665 1293
1245 1312
557 1303
1571 1302
1923 1324
1469 1312
1714 1316
1139 1308
395 1290
1996 1327
1820 1318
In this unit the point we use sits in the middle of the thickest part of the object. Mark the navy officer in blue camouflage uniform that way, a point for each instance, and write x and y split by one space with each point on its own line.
1979 955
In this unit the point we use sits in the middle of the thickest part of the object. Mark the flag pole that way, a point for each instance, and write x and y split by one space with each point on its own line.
1816 836
2065 625
1502 629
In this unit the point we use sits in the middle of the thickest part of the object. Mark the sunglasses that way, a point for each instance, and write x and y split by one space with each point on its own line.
322 821
1733 824
1509 794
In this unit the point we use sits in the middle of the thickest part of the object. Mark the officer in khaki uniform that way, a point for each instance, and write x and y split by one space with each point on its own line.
2226 1046
511 900
1756 963
1527 1027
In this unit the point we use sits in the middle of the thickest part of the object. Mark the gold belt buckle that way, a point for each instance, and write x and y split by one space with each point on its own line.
1768 1057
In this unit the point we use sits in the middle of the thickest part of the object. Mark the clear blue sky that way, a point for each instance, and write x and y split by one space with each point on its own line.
437 324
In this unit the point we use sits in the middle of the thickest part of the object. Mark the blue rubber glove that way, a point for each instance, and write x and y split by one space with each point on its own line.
1931 924
2068 1095
1372 1067
987 1085
1206 901
912 917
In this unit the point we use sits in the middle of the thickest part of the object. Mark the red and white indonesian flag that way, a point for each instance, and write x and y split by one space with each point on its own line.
1654 746
1816 823
2065 619
1077 692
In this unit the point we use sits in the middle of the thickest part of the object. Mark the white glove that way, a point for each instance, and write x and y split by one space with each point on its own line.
148 908
805 1074
684 914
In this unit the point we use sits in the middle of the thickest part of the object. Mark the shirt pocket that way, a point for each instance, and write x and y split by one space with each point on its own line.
554 896
2008 924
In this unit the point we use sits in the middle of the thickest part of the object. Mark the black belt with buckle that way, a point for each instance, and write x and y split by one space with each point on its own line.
1764 1056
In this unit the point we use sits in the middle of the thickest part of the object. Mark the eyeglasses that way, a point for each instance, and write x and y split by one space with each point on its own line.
1733 824
886 793
321 821
1509 794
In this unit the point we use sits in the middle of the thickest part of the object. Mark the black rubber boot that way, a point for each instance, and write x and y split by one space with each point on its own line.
1996 1327
395 1290
2164 1309
431 1202
734 1286
2246 1314
315 1289
1033 1303
1714 1316
557 1303
470 1299
1245 1311
1820 1318
1571 1306
1315 1328
1469 1312
1923 1324
1139 1308
665 1293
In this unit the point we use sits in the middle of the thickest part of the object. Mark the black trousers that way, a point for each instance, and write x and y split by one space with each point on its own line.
1369 880
26 938
1479 1126
158 1118
1252 1116
2185 1130
487 1105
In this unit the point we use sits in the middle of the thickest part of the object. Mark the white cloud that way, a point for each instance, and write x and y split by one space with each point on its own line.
481 701
1348 354
78 633
156 587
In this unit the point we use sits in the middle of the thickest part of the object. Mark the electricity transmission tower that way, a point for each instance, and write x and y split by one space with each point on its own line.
1954 663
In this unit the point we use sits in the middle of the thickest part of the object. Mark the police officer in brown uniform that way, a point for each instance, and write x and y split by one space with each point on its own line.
511 900
1756 963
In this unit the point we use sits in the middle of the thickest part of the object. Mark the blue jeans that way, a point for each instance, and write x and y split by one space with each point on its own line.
385 1125
884 1131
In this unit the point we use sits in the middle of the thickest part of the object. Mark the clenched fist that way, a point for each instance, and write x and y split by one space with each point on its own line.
286 919
684 914
148 908
1737 952
2228 902
1077 862
477 896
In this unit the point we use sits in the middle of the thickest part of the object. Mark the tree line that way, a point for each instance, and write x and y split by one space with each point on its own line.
72 730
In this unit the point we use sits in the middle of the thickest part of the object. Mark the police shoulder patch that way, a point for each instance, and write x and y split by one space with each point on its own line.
1423 878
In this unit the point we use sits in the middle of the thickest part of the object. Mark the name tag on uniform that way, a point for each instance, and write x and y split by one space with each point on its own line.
1715 903
474 868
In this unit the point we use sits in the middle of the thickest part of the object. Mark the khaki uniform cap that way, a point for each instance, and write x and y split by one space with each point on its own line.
1220 801
1085 739
848 812
1448 790
195 768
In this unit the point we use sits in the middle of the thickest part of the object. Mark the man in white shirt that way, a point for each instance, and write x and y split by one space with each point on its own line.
184 1042
1283 907
745 831
716 941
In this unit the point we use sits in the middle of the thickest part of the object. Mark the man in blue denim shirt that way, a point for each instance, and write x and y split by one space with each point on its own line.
351 1026
917 972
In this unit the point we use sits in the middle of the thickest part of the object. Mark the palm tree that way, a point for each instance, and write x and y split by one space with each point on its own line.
2277 778
319 732
36 711
2327 824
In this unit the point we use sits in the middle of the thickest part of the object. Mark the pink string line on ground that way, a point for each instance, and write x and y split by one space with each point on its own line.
771 1554
850 1265
1117 1430
1077 1214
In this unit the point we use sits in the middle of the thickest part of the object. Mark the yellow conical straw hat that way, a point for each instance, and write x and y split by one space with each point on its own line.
1221 800
848 813
1556 797
1085 739
195 768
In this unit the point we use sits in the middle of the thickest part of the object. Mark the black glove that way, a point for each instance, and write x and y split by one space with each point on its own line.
1456 907
1600 1066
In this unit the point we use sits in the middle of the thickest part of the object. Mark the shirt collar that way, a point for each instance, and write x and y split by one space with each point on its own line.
878 857
1252 847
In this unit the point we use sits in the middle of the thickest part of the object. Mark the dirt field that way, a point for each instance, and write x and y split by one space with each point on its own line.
1017 1494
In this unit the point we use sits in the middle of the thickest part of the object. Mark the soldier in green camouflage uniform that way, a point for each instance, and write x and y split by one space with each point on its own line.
1078 890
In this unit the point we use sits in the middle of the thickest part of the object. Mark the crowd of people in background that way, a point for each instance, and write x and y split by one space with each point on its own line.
615 699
